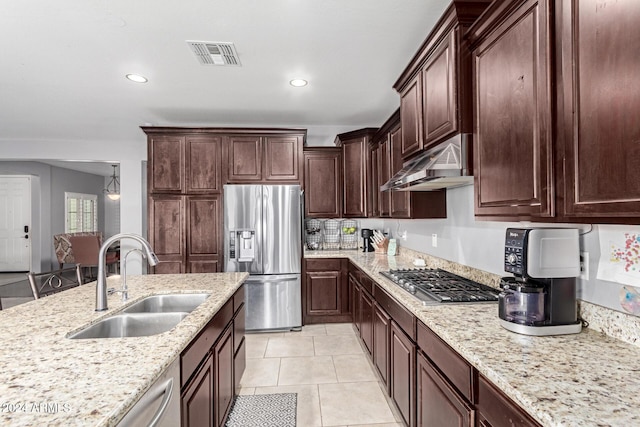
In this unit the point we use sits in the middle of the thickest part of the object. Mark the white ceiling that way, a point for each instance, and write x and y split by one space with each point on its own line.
64 61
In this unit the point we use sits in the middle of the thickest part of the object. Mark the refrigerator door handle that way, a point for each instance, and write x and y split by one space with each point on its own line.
273 278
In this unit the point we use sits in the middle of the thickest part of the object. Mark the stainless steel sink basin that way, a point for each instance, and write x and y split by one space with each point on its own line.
184 303
131 325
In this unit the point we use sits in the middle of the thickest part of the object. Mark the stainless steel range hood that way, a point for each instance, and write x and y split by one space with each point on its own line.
445 166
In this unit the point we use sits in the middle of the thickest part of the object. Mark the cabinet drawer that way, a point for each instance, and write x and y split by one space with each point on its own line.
330 264
499 410
447 360
398 313
197 351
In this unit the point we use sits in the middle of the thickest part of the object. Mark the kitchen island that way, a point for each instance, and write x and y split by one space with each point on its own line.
588 379
49 379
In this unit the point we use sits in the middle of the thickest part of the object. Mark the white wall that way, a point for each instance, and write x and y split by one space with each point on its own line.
480 244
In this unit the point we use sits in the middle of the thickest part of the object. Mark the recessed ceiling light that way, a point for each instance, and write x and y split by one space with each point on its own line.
298 82
136 78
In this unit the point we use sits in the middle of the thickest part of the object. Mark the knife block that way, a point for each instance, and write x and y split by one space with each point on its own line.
381 248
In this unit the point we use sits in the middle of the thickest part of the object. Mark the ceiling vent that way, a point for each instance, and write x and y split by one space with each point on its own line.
215 53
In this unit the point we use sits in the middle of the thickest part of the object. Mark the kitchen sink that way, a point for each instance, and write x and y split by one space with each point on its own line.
184 303
131 325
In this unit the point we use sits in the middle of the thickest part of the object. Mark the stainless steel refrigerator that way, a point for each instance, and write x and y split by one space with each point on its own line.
262 236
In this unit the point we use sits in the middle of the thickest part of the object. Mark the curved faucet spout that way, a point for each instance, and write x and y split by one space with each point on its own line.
101 286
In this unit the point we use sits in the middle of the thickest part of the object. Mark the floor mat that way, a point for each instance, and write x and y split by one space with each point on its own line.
264 410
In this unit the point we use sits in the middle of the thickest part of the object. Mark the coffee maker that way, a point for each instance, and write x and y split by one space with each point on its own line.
367 244
541 297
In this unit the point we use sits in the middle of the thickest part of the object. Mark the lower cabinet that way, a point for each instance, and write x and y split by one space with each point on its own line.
403 373
439 404
497 410
381 336
366 319
325 291
211 367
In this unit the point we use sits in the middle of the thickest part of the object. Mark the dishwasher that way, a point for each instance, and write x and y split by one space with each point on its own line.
160 405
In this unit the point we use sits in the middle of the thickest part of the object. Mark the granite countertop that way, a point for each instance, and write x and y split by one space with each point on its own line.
587 379
48 379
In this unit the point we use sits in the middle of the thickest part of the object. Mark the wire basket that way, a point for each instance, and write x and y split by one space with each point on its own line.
331 227
313 226
349 234
331 241
313 241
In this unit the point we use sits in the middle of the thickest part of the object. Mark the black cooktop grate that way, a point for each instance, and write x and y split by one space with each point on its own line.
441 286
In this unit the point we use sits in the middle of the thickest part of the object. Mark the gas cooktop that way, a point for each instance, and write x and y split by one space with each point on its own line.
435 286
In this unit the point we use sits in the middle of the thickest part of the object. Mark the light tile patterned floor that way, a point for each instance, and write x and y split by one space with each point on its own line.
326 365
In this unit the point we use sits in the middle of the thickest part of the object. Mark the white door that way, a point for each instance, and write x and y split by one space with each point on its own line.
15 223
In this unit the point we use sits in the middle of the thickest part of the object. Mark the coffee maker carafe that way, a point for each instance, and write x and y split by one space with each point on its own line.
541 297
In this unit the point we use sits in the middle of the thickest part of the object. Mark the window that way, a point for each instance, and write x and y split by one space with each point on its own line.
80 212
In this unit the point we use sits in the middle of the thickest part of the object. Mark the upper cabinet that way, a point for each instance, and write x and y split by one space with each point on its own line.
556 104
434 89
357 180
598 105
322 182
267 159
513 165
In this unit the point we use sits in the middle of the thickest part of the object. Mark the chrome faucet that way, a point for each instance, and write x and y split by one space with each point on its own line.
101 287
125 289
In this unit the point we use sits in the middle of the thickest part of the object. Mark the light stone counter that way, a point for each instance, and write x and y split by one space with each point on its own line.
49 380
588 379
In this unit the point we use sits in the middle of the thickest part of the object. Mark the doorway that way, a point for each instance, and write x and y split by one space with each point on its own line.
15 223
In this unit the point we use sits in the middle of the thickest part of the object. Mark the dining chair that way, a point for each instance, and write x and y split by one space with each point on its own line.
45 284
86 250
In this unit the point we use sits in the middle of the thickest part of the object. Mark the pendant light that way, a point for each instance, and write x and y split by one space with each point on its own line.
113 188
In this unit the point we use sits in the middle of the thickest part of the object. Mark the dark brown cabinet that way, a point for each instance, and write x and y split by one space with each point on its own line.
357 177
438 404
381 337
366 319
323 182
435 86
185 233
494 409
245 159
210 367
512 94
166 163
197 398
204 164
326 291
384 174
403 373
265 158
598 104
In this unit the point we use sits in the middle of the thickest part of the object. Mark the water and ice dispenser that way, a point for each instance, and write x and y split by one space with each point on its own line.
242 243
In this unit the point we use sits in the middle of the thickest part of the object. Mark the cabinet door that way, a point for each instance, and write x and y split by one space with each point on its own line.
245 159
399 199
323 183
203 238
366 320
282 158
223 385
166 164
384 174
355 289
381 347
438 404
598 129
355 175
373 176
204 163
512 140
323 293
197 398
403 369
166 233
440 102
411 117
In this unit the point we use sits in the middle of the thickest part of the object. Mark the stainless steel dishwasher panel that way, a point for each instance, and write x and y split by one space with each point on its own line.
273 302
160 405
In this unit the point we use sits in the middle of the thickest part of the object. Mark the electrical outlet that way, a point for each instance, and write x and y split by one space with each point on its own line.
434 240
403 235
584 265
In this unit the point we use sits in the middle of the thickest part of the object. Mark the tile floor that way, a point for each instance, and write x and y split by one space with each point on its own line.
326 365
